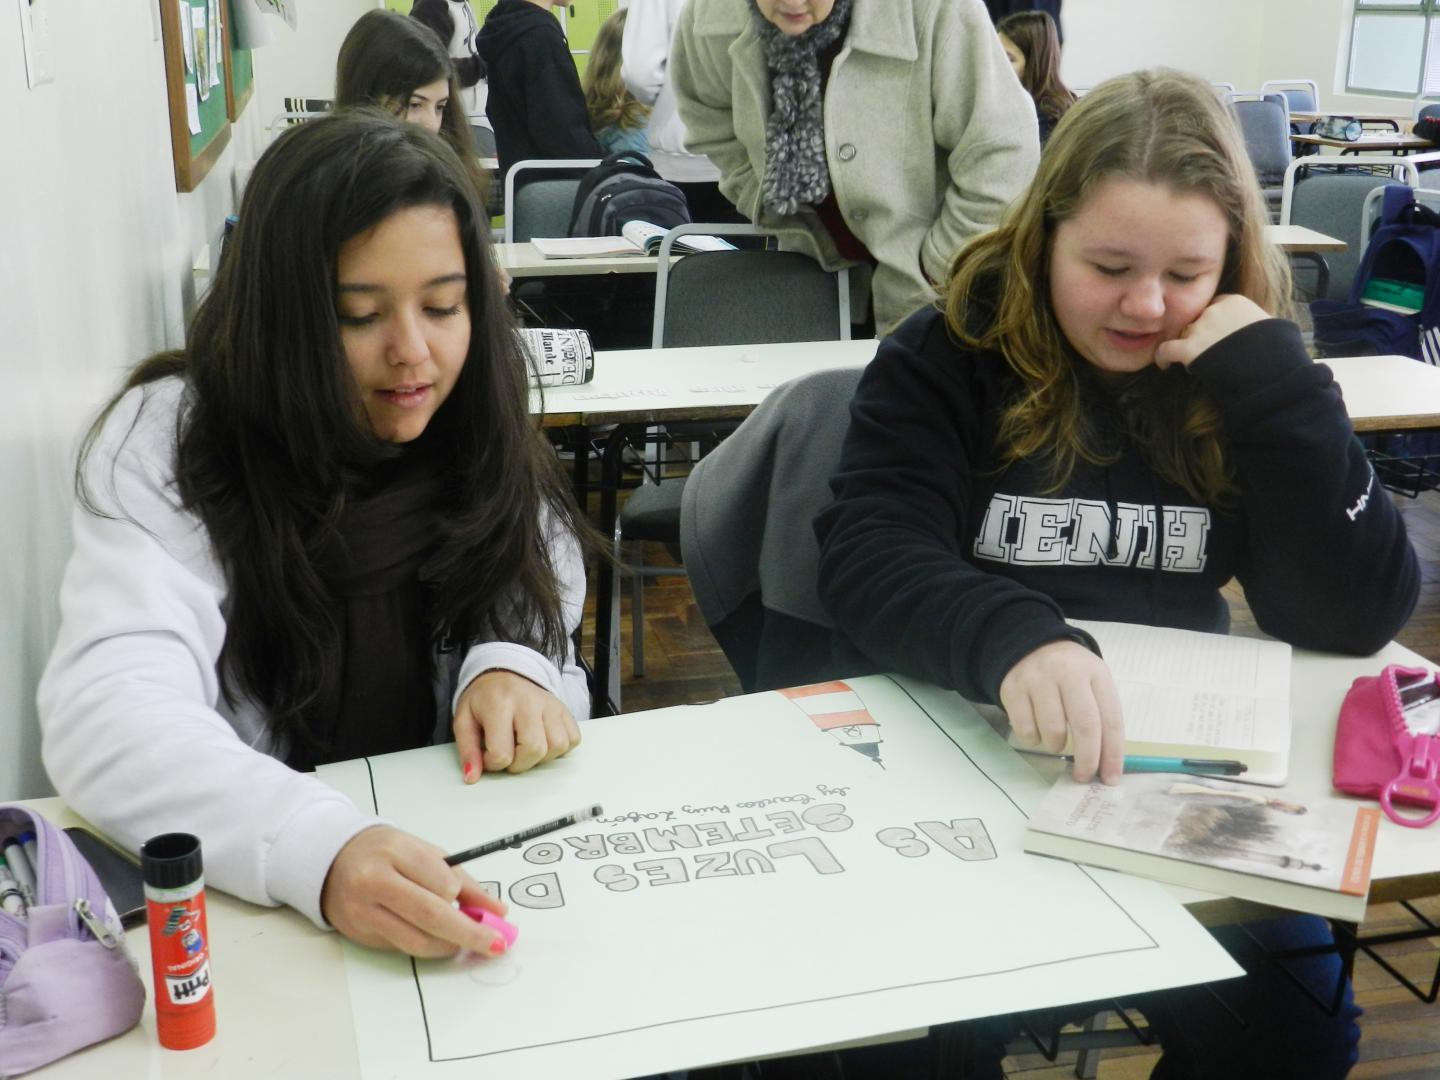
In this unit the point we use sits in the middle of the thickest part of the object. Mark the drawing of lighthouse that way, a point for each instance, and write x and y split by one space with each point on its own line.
838 711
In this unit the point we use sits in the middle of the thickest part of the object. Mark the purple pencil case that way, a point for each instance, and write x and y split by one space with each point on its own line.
66 978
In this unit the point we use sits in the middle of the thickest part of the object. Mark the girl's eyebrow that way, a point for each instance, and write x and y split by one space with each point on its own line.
1112 251
362 287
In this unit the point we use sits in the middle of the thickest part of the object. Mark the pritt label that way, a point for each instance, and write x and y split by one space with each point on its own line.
188 989
559 357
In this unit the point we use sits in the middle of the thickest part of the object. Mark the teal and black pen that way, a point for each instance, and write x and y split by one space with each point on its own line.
1203 766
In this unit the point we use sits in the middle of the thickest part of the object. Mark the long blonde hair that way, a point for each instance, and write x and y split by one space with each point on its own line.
1161 127
607 99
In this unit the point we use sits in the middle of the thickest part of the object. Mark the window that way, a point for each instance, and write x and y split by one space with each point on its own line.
1395 48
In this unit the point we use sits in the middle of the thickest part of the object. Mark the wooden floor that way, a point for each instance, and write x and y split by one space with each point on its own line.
1400 1035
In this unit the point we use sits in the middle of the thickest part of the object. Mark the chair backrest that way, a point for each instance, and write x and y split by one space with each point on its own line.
540 205
1329 196
1265 125
1303 95
484 140
745 296
297 111
746 535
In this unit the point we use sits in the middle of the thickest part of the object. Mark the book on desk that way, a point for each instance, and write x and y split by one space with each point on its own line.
637 238
1186 694
1210 834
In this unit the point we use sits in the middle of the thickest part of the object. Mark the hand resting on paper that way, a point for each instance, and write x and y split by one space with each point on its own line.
506 722
390 890
1062 687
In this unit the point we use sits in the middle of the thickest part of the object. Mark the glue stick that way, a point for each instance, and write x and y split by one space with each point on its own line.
179 940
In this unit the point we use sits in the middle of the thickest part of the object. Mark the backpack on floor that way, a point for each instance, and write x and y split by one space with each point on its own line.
625 187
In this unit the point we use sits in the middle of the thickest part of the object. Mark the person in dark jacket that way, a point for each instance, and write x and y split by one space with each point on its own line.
1107 422
536 105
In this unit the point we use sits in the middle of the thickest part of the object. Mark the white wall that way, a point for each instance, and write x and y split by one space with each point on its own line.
301 62
1243 42
95 255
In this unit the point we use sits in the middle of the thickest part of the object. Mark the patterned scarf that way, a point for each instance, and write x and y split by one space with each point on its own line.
795 168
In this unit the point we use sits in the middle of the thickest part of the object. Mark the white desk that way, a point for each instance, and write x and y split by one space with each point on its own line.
1388 393
280 989
523 261
1298 238
1370 141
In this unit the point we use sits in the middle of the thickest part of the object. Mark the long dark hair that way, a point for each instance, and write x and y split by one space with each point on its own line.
270 442
385 58
1034 34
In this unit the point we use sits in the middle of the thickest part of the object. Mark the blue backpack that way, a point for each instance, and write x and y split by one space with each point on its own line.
1394 308
1394 304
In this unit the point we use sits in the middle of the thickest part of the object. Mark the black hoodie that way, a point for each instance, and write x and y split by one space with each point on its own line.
536 104
940 561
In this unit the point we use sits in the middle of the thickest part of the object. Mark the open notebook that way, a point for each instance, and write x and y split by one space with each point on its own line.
1191 695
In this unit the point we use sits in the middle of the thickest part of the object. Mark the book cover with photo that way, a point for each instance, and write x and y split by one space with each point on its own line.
1205 833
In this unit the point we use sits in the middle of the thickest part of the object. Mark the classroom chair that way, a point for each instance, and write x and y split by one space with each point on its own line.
540 204
1265 125
746 535
1329 196
740 297
1301 95
296 111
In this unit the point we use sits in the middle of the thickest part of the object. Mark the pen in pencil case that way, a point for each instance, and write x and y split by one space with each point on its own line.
1141 763
516 839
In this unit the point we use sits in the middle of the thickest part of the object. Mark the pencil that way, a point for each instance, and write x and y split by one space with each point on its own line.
516 839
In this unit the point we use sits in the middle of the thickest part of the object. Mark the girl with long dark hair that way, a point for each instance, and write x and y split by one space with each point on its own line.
327 527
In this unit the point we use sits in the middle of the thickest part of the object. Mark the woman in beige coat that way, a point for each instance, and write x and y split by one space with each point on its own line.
884 133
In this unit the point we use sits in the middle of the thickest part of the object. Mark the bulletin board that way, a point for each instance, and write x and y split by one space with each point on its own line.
239 75
197 69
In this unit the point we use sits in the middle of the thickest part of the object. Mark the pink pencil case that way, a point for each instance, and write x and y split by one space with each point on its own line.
1387 743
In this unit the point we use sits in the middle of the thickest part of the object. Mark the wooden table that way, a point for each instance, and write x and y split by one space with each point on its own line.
1389 394
523 261
1372 141
1298 238
1396 122
283 1006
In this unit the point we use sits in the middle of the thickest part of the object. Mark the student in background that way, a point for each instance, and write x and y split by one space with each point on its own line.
617 118
1106 421
536 106
454 24
645 63
328 527
1033 47
399 64
882 134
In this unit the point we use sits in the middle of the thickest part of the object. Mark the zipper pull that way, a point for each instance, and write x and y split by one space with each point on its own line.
103 933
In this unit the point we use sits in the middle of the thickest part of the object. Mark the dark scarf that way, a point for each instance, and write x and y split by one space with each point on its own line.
795 168
382 697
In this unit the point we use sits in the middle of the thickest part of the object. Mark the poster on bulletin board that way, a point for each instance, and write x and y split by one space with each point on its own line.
197 81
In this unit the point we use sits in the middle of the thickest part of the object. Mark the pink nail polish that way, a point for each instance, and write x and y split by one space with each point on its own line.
469 773
497 946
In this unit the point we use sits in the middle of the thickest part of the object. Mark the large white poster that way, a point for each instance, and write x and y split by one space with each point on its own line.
771 872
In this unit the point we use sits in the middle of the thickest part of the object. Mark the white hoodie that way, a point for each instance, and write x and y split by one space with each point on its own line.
136 734
645 59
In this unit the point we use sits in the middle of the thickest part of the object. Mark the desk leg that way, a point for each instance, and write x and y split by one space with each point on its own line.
607 660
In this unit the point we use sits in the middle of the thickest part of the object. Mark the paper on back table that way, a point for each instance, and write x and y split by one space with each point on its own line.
769 874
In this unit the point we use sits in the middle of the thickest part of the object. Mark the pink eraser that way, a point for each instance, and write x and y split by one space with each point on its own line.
486 917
